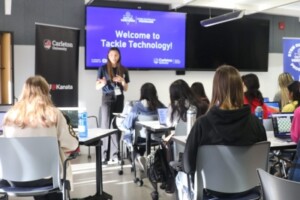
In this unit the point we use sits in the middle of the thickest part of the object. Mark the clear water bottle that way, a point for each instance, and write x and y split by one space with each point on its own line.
259 113
190 118
82 124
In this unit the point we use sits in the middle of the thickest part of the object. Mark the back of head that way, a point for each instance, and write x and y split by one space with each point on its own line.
294 89
149 93
251 82
180 95
34 107
198 89
284 79
227 88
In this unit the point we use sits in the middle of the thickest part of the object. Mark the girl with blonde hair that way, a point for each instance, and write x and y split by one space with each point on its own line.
34 115
282 96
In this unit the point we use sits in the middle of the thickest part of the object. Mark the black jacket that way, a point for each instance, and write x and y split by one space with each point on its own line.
228 127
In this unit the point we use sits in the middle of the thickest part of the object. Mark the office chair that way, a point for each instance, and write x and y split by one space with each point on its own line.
230 169
24 159
275 188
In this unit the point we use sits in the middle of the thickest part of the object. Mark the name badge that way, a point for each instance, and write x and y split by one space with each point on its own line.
117 91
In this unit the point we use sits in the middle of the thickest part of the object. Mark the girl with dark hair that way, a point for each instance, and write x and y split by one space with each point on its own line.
228 122
199 91
146 106
113 79
252 95
294 96
182 97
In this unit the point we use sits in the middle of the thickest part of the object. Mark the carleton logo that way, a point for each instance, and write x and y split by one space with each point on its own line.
60 87
47 44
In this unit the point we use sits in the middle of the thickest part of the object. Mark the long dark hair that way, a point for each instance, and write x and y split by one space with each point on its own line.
120 68
199 91
252 83
180 92
294 88
148 92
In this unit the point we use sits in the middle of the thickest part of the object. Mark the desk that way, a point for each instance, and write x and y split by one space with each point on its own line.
94 139
276 143
153 127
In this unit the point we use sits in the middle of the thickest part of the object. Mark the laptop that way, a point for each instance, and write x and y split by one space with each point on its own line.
282 123
2 114
273 107
162 116
72 113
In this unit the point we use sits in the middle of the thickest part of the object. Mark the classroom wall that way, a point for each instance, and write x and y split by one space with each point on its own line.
71 13
90 98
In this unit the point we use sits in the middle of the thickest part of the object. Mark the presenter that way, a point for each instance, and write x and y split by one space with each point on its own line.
113 79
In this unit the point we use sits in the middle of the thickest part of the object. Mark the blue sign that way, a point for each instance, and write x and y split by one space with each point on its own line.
291 57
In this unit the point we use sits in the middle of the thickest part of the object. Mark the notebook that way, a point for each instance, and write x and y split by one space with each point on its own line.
2 114
282 123
162 116
273 107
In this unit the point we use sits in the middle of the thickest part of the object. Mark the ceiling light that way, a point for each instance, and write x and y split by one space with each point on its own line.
7 7
222 18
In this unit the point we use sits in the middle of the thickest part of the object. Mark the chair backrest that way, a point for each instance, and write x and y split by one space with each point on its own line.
141 131
180 130
268 124
30 158
275 188
230 169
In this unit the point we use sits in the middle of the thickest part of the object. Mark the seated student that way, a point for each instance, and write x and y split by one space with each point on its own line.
294 97
199 91
147 105
182 97
228 121
294 171
34 115
282 96
252 95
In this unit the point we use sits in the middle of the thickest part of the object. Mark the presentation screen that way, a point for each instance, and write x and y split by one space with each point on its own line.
147 39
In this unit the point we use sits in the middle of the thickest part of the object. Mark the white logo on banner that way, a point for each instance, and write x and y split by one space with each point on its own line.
294 55
57 45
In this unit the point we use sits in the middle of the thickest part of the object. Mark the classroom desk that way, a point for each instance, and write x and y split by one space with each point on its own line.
276 143
94 139
153 127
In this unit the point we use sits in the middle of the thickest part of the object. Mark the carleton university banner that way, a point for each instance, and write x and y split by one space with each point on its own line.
291 56
56 59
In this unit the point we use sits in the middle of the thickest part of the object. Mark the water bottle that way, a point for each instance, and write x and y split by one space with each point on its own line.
190 118
82 124
259 113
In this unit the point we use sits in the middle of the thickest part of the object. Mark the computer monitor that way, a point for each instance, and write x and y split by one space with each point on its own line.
72 113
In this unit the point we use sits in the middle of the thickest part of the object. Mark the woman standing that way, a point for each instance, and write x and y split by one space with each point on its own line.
113 79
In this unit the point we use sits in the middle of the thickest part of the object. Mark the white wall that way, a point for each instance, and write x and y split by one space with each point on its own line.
24 61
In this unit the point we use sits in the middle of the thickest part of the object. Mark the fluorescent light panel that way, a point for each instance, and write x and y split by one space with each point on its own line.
222 18
7 7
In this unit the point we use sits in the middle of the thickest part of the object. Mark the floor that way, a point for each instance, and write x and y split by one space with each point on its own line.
121 187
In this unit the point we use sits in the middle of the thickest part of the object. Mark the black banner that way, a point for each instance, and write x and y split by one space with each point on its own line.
56 59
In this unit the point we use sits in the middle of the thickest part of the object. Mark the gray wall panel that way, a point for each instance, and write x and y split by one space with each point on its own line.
72 13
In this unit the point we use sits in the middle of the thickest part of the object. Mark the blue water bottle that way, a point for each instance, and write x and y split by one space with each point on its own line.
82 124
259 113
